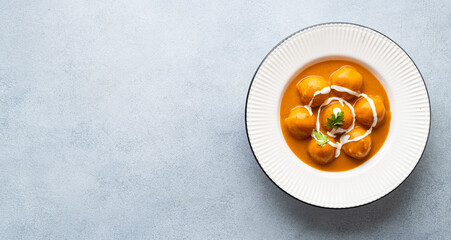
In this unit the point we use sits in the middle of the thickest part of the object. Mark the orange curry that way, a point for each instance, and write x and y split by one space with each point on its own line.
305 144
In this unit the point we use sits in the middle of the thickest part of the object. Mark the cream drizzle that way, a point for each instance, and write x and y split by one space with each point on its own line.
309 109
343 89
368 132
325 90
344 138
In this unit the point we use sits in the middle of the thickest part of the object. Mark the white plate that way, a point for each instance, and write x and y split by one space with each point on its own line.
409 103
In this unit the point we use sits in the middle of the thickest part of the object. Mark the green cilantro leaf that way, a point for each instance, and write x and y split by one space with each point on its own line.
321 138
335 121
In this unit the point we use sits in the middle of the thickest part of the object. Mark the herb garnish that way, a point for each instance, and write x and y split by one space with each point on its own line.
335 121
321 138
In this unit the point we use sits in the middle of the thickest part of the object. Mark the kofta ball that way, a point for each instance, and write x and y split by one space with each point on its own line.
307 88
300 122
358 149
347 77
321 154
364 113
334 109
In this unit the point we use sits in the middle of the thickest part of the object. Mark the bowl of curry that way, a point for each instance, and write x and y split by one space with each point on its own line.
337 115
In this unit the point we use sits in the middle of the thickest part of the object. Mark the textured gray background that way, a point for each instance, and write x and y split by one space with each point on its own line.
125 119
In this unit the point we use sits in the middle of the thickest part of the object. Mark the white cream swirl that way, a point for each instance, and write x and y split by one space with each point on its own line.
325 90
344 138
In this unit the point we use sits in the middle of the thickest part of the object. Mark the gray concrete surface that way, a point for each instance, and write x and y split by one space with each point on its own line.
125 120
